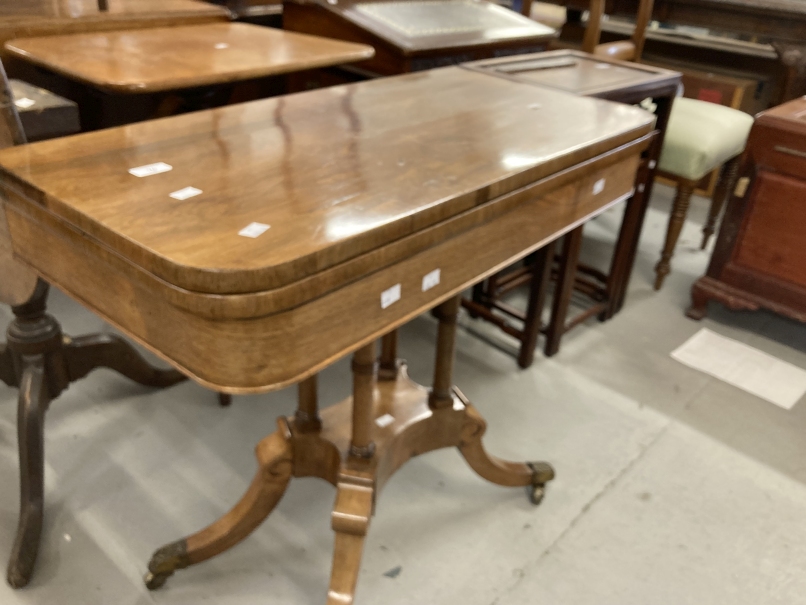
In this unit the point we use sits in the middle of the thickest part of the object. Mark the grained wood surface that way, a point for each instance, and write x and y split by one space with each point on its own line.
160 59
772 240
22 18
336 173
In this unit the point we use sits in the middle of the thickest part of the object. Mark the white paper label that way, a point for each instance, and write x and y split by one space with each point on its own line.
254 230
390 296
24 103
221 46
384 420
652 164
603 66
150 169
598 186
185 193
430 280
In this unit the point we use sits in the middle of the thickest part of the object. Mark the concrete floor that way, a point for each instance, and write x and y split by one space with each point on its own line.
672 487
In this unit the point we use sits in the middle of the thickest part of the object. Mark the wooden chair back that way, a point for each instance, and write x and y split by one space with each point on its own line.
17 282
625 50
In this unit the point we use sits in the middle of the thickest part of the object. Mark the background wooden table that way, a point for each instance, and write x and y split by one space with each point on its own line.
179 68
411 35
160 59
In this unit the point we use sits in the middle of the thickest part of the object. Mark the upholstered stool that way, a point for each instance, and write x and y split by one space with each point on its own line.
700 137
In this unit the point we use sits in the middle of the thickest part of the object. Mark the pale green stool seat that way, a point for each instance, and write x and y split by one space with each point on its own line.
700 137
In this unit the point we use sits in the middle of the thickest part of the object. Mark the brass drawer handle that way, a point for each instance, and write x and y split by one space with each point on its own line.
790 151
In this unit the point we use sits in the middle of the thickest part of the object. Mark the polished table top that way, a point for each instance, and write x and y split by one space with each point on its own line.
271 238
160 59
335 172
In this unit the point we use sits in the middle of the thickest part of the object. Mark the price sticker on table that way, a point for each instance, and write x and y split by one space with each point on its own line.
430 280
185 193
254 230
598 186
150 169
390 296
385 420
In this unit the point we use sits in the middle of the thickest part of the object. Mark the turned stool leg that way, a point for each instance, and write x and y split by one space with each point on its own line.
685 189
722 192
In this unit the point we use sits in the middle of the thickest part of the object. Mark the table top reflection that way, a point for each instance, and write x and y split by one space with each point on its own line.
161 59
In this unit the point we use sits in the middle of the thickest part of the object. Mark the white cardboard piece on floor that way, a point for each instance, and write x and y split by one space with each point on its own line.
743 366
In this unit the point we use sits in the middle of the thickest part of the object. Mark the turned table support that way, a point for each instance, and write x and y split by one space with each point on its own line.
357 446
42 362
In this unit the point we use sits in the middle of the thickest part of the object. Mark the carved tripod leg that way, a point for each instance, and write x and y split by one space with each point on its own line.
33 401
86 353
350 521
495 470
275 457
509 474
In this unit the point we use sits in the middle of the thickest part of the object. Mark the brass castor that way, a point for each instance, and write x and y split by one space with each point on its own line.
156 580
542 473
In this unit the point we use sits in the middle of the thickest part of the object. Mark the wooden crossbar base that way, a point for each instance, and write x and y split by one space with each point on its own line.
405 425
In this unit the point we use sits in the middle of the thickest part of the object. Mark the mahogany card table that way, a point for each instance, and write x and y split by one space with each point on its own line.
582 74
253 245
125 63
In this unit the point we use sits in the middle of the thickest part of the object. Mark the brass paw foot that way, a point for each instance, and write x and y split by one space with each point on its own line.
542 473
164 562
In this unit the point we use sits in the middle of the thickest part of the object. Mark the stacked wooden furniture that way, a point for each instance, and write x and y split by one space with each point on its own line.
125 76
285 263
782 22
594 76
413 35
759 261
